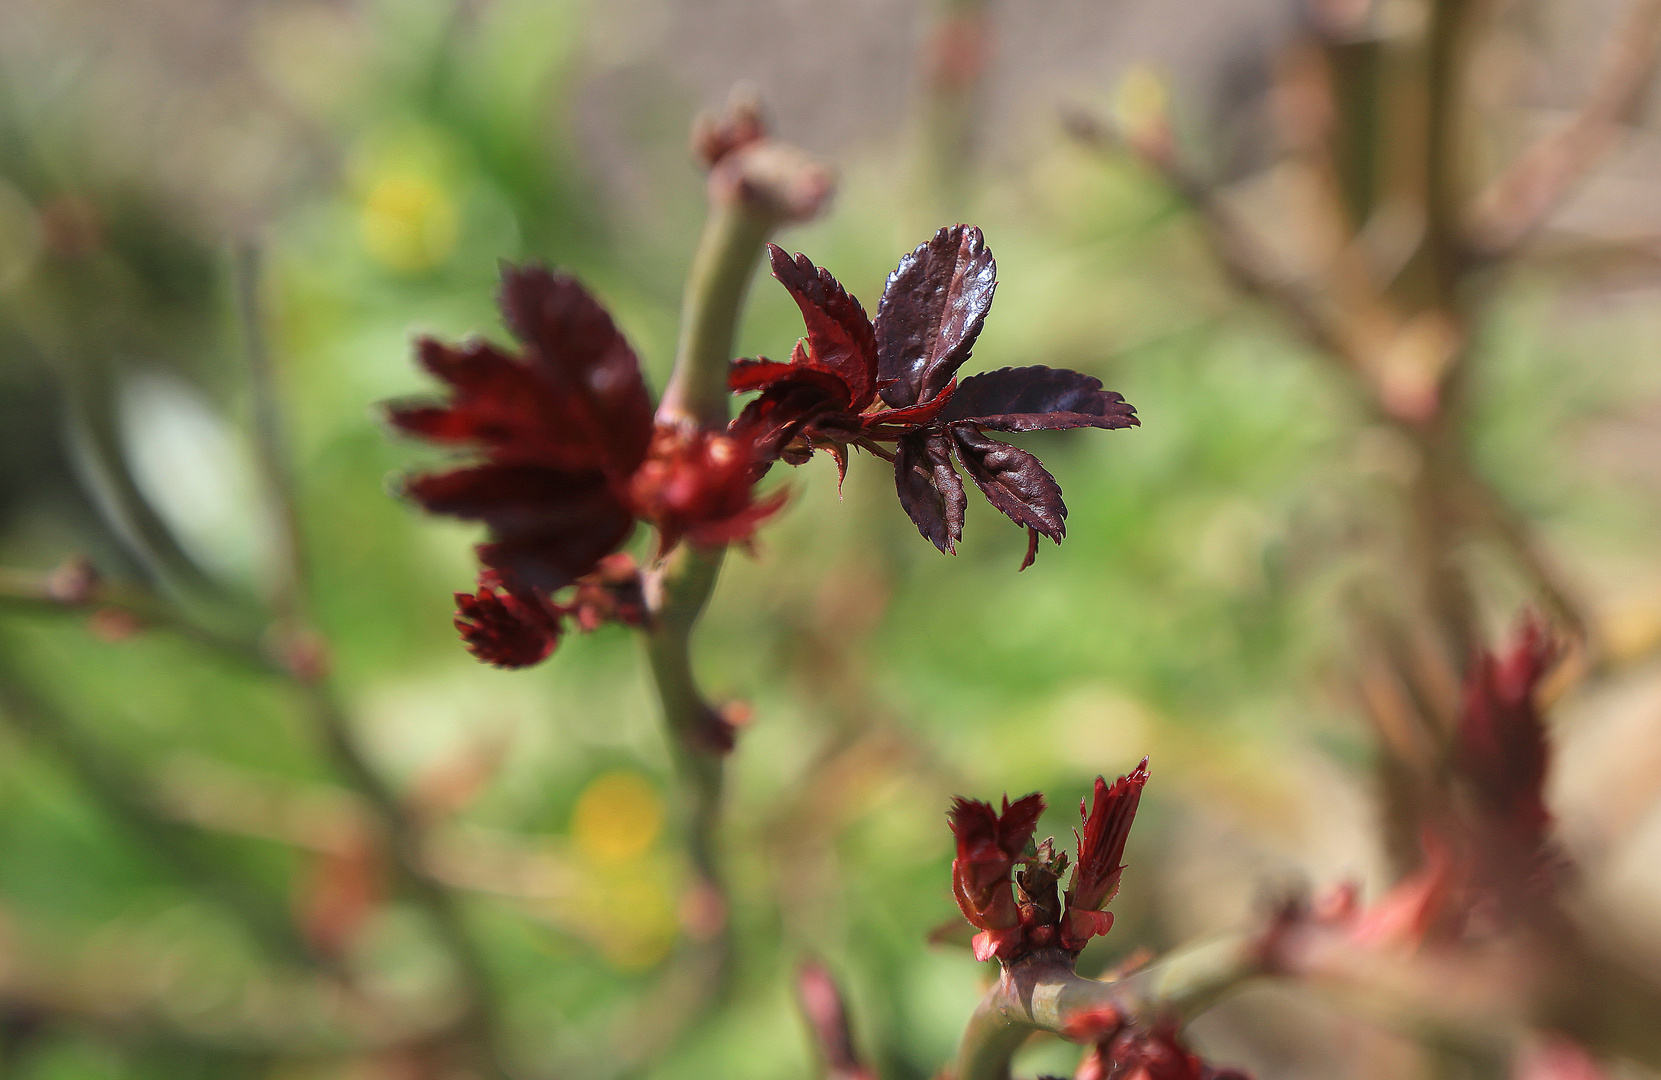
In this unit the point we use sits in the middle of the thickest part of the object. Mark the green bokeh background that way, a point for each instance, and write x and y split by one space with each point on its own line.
1194 614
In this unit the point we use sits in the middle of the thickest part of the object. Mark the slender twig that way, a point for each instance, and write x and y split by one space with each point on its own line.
1520 199
1235 248
271 456
34 593
476 1023
123 797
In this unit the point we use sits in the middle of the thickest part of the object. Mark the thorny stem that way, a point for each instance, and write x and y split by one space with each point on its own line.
749 197
305 664
1043 993
697 395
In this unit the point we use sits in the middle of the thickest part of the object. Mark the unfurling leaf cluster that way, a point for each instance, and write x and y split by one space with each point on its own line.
569 457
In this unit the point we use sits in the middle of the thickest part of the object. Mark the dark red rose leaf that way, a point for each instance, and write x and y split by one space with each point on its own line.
1038 399
1097 871
989 844
570 339
1501 745
500 404
547 528
758 374
1012 480
930 489
891 423
840 338
931 313
506 630
932 309
1032 549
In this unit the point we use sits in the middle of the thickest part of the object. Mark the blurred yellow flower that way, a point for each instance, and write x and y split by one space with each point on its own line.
409 221
617 817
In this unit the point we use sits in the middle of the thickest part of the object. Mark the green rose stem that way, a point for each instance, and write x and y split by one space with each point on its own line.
754 188
1043 993
304 659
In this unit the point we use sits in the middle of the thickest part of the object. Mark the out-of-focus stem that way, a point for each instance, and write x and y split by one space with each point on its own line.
306 664
755 186
719 279
30 592
270 444
122 796
1043 993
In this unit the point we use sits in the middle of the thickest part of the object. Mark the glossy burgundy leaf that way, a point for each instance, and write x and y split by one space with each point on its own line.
1012 480
789 406
889 423
506 630
930 489
840 338
932 309
1098 868
1038 399
570 339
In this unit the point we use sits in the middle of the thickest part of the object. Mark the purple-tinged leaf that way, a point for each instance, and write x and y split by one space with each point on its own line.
1013 481
891 422
781 411
573 343
840 338
930 489
1038 399
932 309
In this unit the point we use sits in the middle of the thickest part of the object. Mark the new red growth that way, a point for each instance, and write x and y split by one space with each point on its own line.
567 459
1014 922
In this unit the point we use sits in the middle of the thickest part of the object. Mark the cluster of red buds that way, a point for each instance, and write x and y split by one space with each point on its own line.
990 845
569 457
1022 915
